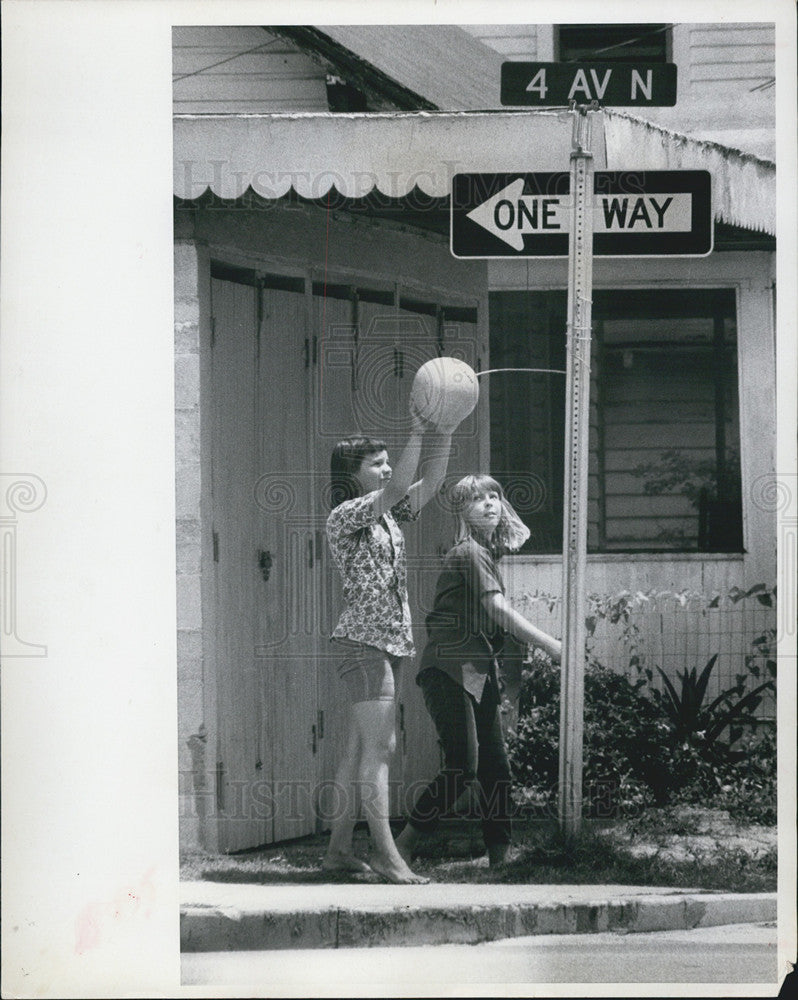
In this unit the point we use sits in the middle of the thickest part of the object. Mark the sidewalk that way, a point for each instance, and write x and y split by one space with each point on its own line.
278 897
222 916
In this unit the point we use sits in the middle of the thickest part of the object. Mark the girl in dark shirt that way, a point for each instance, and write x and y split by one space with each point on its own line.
458 669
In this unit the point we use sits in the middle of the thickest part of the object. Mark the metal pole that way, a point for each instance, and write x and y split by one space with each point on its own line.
580 279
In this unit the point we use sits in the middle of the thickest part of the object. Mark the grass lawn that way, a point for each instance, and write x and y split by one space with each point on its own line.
682 848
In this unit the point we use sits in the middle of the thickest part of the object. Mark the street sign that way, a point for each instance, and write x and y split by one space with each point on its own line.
640 213
612 84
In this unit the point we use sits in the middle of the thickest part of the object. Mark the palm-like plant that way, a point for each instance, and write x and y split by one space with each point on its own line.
692 720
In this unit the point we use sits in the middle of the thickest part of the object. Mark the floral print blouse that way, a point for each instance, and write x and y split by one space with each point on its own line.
370 554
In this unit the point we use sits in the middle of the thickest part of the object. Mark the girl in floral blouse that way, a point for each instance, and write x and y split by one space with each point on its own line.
370 502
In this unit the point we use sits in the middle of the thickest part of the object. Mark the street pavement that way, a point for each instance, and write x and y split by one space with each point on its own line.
737 959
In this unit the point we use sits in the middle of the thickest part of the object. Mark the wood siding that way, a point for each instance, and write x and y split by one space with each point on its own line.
247 69
724 55
242 69
513 41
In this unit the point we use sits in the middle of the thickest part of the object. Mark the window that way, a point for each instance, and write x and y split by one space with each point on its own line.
641 43
664 468
342 96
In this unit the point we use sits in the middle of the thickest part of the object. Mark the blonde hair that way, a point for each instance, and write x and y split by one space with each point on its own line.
510 533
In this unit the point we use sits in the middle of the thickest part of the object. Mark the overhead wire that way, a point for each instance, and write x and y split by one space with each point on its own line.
221 62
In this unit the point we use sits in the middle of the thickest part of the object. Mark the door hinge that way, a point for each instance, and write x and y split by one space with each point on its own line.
219 786
319 539
213 330
310 351
215 546
320 720
265 561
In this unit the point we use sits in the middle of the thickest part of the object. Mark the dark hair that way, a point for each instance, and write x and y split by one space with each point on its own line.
345 461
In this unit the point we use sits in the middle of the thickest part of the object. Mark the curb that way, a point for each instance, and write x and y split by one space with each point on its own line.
230 928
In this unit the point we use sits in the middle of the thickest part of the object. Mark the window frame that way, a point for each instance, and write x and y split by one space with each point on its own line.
720 285
666 29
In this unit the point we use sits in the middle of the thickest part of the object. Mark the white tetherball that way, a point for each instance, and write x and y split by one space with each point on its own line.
444 391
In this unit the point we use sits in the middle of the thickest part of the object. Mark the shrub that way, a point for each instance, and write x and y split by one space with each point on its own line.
643 745
533 748
623 741
636 755
748 785
700 763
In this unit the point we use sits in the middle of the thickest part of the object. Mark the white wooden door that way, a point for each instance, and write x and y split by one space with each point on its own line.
266 565
334 418
289 556
242 756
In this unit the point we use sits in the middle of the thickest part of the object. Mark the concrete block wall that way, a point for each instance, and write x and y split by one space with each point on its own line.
192 728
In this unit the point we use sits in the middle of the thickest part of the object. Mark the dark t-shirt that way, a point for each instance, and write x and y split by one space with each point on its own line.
462 640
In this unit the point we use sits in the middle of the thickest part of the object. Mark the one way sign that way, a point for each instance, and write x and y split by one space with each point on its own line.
665 213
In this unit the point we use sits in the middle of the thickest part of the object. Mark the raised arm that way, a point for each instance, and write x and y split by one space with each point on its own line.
440 445
403 472
505 615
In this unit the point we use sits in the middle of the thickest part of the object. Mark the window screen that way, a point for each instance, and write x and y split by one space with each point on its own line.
613 43
664 468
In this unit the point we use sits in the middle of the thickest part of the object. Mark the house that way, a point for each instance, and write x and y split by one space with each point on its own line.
313 275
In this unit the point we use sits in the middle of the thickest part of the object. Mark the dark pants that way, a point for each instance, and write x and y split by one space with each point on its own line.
470 734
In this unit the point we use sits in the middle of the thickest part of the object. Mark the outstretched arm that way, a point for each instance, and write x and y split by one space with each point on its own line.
403 472
505 615
440 445
405 469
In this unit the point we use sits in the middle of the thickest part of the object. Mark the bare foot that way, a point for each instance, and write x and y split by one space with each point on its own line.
406 843
397 872
499 854
405 854
336 862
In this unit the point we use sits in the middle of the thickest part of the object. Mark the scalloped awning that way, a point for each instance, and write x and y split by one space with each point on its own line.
743 185
396 153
